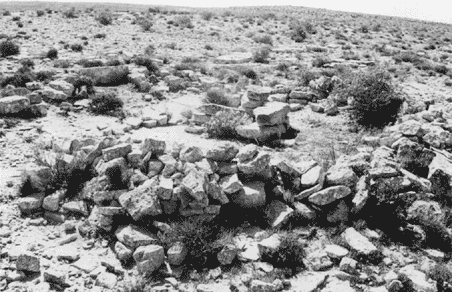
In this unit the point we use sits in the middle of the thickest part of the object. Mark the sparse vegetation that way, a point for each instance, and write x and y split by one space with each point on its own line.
76 47
261 54
223 124
40 13
52 54
70 13
8 48
376 100
105 18
107 104
217 96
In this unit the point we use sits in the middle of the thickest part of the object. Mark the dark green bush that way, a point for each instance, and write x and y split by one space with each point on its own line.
79 83
223 124
183 21
263 39
376 101
217 96
198 236
22 76
8 48
107 104
147 62
100 36
249 73
298 32
70 13
320 61
76 47
52 54
145 23
262 54
40 13
443 277
44 76
90 63
207 15
289 254
16 18
208 47
6 13
114 62
105 18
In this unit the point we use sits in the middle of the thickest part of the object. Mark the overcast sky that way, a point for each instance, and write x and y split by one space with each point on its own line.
434 10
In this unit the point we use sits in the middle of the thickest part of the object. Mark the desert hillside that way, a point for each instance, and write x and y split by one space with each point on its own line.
239 149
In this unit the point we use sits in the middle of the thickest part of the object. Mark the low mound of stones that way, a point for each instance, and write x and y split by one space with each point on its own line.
401 167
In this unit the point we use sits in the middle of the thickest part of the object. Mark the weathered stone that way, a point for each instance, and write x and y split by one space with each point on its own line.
410 128
257 165
106 280
28 262
336 285
361 196
226 168
329 195
56 275
51 95
155 167
358 242
142 201
339 213
418 278
68 252
169 163
191 154
31 203
153 146
227 254
235 58
251 196
222 151
414 157
424 211
261 286
341 175
312 177
149 258
77 207
122 252
303 211
335 251
87 263
117 151
308 282
348 265
63 86
272 113
38 177
278 213
107 76
177 254
231 184
13 104
133 236
195 182
165 188
261 133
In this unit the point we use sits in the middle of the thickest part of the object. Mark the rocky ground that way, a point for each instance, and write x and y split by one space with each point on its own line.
300 201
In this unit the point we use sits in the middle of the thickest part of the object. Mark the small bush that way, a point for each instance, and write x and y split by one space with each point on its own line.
70 13
207 15
263 39
3 36
299 31
376 101
16 18
76 47
22 76
52 54
62 64
79 83
107 104
114 62
208 47
249 73
183 21
262 54
147 62
8 48
442 275
289 254
40 13
100 36
320 61
44 76
90 63
105 18
198 235
6 13
27 63
145 23
216 96
223 124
